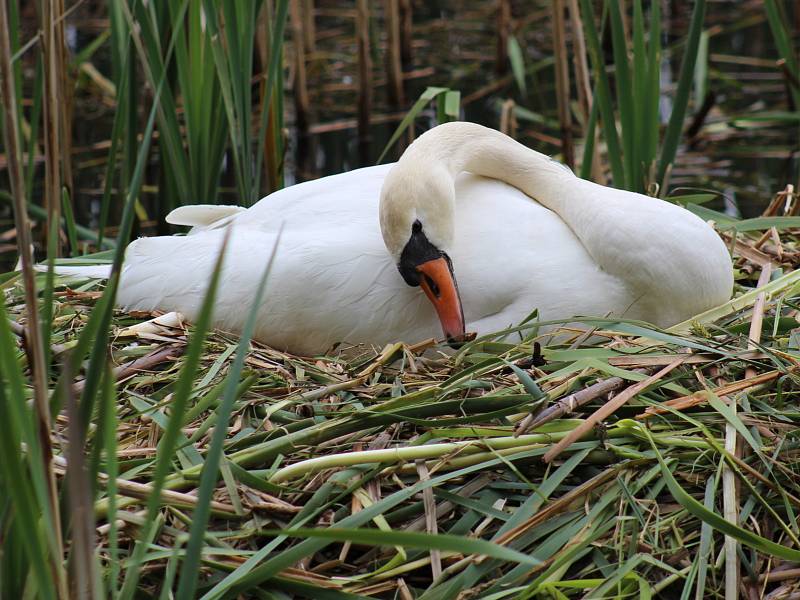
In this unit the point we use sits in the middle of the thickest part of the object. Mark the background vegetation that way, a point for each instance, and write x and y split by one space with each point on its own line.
167 461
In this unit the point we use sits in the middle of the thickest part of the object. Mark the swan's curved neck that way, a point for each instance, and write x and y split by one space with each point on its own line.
460 146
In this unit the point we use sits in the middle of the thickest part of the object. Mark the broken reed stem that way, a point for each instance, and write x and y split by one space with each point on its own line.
134 489
561 53
569 404
143 363
508 120
608 409
34 331
685 402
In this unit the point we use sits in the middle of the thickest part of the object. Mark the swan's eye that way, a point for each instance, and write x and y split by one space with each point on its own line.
432 286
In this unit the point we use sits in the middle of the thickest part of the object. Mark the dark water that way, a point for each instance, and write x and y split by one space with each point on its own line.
747 165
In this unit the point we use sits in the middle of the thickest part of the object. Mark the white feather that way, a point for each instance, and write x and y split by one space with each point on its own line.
594 251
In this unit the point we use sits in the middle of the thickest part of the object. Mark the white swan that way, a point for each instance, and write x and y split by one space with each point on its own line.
518 230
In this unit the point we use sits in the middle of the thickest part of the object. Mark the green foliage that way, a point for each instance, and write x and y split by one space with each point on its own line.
447 109
636 163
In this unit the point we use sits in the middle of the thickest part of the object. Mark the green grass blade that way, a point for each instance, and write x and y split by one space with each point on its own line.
426 96
782 37
452 105
669 146
622 76
108 427
121 58
25 486
603 96
99 334
69 221
701 70
36 116
47 292
588 148
273 82
422 541
146 40
652 92
721 525
517 61
187 583
166 447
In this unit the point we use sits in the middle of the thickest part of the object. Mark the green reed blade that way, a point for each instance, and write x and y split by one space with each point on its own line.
669 146
166 446
622 78
187 583
603 96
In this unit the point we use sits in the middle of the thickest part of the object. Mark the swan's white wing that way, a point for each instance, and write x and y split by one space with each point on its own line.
333 280
200 216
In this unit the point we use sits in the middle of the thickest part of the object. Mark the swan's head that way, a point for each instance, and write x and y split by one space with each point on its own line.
417 222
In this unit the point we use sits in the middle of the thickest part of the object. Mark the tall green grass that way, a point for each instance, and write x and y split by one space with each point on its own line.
207 112
207 115
639 156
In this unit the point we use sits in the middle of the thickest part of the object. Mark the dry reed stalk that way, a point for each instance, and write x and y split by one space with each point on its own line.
608 409
143 363
560 505
301 101
508 120
698 398
431 527
309 27
561 53
364 78
568 404
272 161
33 332
406 33
781 199
134 489
394 66
503 32
56 110
20 331
79 489
729 491
582 82
583 85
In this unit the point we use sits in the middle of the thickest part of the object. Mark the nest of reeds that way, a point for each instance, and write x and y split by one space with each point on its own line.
602 460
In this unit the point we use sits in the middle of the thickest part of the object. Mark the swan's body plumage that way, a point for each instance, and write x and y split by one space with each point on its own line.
595 252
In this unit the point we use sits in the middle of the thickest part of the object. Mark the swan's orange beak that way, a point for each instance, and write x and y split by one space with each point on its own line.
439 285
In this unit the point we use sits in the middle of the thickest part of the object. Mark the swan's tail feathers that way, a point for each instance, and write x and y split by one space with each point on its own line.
203 216
85 271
